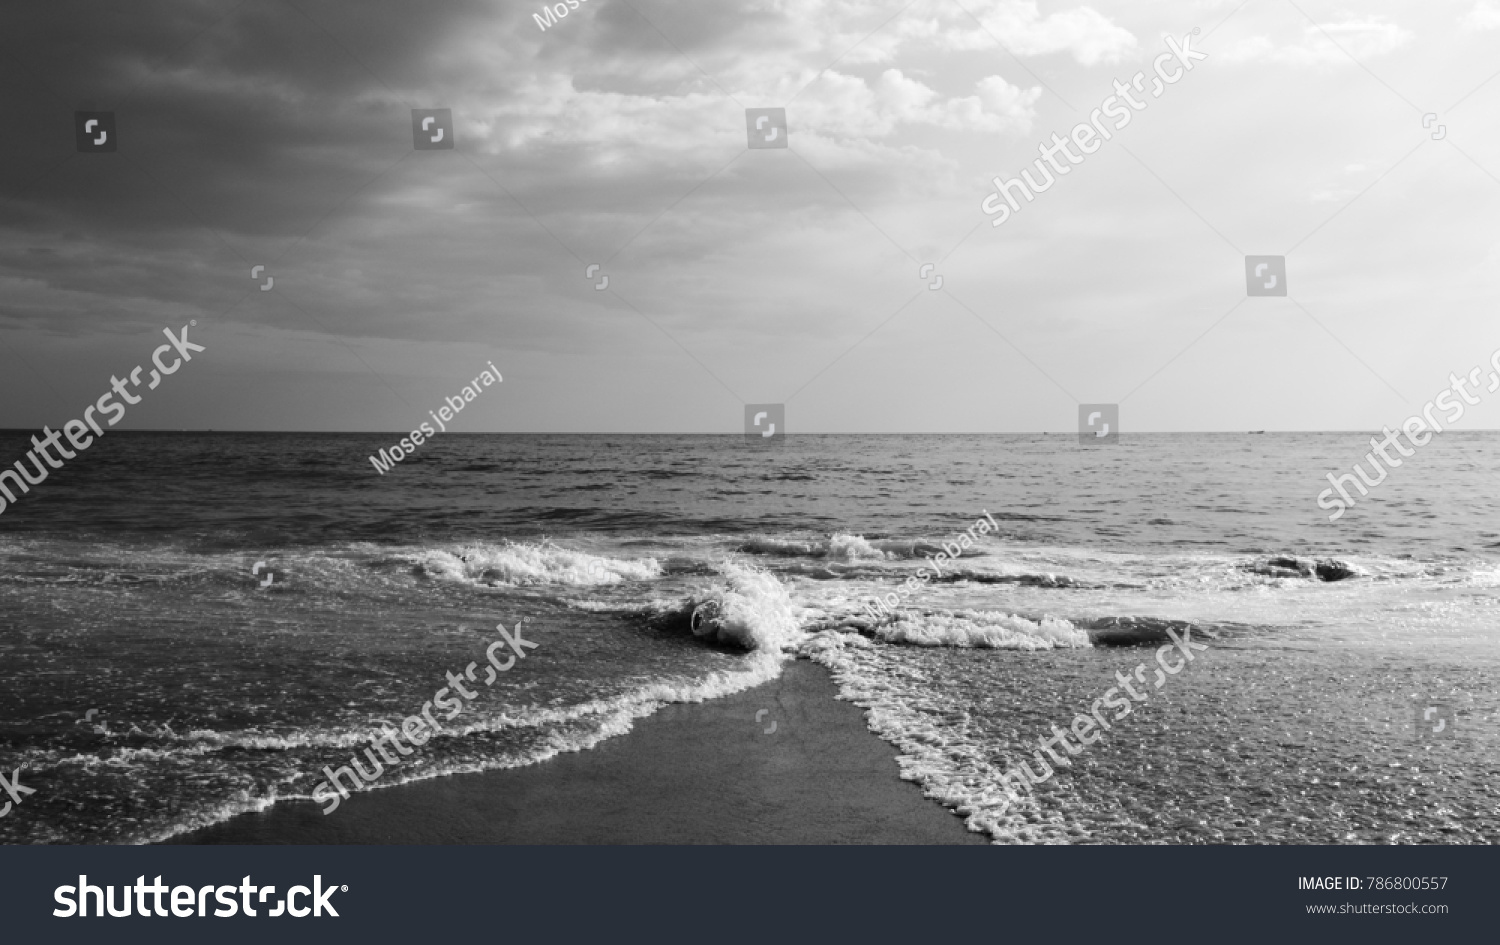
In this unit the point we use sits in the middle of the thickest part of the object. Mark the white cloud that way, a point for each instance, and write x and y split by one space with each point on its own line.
1010 101
1362 38
1484 16
844 106
1083 32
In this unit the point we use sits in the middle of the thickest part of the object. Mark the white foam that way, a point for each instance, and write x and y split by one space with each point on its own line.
611 717
523 564
1485 577
612 607
837 547
854 548
981 628
751 609
953 767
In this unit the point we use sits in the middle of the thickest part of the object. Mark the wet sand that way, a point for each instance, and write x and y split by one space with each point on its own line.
705 773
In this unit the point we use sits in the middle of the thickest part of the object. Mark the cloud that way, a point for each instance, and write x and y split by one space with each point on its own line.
846 107
1484 16
998 106
1334 43
1082 32
1010 101
256 135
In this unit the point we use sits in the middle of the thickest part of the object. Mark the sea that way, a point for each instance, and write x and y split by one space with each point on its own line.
193 625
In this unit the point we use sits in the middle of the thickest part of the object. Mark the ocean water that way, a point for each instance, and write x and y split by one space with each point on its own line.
151 683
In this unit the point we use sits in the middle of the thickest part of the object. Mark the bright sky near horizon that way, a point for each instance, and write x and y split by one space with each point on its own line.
279 134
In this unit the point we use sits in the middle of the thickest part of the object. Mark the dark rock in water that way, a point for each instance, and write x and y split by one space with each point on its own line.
1332 569
1324 569
1284 566
1137 631
1025 580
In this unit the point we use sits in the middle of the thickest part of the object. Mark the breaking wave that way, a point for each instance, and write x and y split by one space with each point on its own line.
523 564
979 628
843 547
749 609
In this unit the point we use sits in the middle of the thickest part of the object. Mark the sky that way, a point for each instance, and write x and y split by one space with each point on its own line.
1357 140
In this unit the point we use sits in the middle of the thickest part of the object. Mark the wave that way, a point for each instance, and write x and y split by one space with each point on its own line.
999 629
845 547
749 609
648 608
960 576
1484 577
601 719
1045 579
1324 569
949 765
1137 631
980 628
524 564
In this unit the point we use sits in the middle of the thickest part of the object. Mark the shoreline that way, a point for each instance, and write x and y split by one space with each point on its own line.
689 773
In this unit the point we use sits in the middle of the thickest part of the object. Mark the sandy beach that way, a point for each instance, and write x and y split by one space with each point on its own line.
697 773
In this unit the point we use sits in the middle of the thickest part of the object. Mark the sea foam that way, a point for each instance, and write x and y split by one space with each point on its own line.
842 546
952 766
981 628
749 609
523 564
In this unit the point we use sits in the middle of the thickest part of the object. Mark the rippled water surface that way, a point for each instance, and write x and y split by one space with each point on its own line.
150 682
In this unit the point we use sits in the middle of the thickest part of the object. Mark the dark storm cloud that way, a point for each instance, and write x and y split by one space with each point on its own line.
278 134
